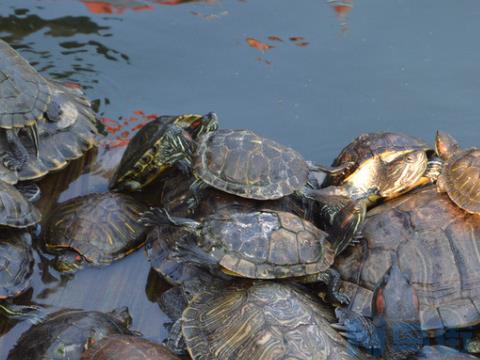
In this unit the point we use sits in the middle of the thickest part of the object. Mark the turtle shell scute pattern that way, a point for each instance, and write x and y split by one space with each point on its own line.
462 180
127 347
15 210
16 263
261 321
267 244
101 227
368 145
243 163
24 94
438 247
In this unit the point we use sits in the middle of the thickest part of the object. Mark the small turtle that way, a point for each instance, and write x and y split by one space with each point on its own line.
15 210
95 229
245 164
262 244
460 175
128 347
436 245
391 163
65 334
32 109
150 151
261 320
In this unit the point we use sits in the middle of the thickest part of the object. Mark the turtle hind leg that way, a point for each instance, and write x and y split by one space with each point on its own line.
17 155
196 189
331 278
175 340
30 191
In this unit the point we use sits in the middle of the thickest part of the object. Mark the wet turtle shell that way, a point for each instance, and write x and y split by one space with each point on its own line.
460 179
369 152
127 347
100 227
143 159
62 117
67 333
265 244
15 210
245 164
263 320
436 244
16 263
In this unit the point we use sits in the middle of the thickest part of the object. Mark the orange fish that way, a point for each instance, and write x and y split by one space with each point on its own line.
257 44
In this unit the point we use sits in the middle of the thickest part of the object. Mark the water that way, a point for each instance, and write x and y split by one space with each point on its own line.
396 66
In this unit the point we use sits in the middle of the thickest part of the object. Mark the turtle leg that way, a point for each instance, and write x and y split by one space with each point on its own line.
18 155
160 216
33 313
358 330
175 340
178 149
197 190
332 279
30 191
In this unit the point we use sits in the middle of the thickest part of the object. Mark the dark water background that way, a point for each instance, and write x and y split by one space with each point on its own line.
383 65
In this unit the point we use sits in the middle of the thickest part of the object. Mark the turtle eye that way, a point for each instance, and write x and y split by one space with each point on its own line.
78 258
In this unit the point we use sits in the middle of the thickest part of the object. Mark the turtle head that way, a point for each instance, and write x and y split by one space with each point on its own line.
122 315
69 262
204 124
445 145
395 309
403 172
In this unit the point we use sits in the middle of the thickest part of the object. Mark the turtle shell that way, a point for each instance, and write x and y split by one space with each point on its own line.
142 160
263 320
25 97
100 227
369 145
243 163
16 263
440 352
67 333
461 179
436 244
127 347
266 244
15 210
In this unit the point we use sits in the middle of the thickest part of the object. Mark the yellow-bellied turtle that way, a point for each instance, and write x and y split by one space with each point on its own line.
242 163
95 229
460 175
436 244
262 244
261 320
391 163
150 151
127 347
65 334
33 111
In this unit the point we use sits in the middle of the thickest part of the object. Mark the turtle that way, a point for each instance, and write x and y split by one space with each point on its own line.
391 163
436 244
95 229
66 333
261 320
150 152
261 244
440 352
127 347
36 113
460 173
15 210
245 164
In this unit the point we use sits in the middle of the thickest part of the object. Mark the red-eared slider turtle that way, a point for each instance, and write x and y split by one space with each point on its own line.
65 334
262 244
460 175
242 163
392 163
129 347
261 320
15 210
150 151
95 229
436 244
33 108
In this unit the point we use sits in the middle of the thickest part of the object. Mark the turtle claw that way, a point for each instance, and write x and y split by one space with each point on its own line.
357 329
340 298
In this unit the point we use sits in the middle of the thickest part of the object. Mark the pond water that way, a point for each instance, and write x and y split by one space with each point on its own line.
311 74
